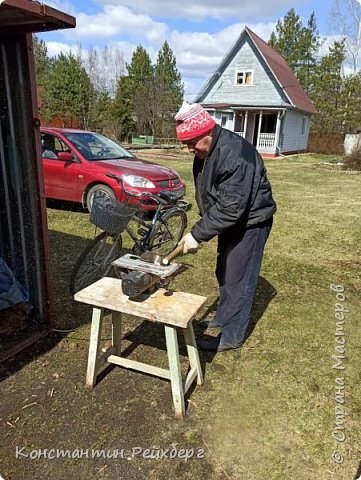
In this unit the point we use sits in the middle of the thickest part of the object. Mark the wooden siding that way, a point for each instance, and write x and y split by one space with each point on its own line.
292 138
264 91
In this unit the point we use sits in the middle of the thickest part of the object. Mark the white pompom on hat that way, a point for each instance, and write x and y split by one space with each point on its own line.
193 121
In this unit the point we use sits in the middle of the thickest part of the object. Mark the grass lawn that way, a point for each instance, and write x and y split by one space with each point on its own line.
267 410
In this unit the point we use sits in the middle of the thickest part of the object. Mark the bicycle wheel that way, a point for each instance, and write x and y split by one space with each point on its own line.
168 231
95 261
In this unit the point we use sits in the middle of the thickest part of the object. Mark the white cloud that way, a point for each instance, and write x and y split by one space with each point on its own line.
118 20
198 54
196 11
55 48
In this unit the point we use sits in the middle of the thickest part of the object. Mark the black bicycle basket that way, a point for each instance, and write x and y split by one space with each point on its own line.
111 215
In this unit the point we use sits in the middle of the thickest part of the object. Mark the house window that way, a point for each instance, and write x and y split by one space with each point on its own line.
244 77
304 125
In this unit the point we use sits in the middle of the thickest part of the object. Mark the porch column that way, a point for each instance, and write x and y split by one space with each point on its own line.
278 125
245 124
259 128
234 121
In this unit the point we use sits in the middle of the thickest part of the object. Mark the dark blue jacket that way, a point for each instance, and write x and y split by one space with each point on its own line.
232 188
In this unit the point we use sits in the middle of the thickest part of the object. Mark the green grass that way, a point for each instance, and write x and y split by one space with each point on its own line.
268 410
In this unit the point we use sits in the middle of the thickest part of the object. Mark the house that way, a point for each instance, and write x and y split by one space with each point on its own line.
254 93
23 223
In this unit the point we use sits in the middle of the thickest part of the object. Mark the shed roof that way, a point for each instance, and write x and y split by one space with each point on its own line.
20 16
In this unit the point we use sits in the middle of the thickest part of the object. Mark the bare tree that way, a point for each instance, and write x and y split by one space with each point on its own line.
105 68
345 20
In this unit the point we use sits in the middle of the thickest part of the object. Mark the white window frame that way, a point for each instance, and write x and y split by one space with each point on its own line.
244 71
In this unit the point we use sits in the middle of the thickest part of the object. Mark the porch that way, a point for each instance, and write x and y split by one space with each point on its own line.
262 128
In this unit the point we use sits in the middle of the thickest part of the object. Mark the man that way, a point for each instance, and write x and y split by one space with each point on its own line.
235 202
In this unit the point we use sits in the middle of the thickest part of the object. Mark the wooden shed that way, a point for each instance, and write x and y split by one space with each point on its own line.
23 224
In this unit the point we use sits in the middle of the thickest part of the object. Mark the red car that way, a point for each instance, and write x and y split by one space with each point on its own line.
78 164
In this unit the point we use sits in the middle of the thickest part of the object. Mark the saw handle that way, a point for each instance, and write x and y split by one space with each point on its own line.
177 251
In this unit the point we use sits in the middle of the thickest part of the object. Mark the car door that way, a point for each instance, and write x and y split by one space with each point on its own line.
61 178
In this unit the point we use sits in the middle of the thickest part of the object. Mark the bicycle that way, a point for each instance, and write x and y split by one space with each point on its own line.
161 234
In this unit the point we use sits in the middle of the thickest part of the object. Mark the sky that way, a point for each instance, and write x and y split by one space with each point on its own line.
199 33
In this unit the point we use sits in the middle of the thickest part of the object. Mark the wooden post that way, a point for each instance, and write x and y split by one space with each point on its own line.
277 131
259 127
245 125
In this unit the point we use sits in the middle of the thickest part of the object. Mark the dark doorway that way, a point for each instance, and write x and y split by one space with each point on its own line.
255 129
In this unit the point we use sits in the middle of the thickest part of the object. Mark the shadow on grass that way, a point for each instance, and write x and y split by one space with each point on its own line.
64 250
358 473
64 205
152 334
29 354
264 294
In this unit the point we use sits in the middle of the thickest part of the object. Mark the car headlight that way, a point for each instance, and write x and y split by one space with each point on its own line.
140 182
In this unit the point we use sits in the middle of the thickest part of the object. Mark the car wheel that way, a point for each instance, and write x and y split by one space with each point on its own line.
101 190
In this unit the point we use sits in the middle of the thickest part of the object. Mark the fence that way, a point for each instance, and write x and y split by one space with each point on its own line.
328 143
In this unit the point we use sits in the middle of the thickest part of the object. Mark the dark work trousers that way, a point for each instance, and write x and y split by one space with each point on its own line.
238 266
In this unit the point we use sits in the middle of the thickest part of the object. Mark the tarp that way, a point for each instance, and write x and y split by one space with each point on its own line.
11 290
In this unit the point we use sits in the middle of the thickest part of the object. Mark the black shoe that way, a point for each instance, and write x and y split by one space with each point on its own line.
209 324
214 345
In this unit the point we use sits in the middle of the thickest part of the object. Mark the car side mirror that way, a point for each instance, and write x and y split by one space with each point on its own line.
65 156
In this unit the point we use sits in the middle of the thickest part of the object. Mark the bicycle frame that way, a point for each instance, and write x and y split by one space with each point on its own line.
162 233
142 244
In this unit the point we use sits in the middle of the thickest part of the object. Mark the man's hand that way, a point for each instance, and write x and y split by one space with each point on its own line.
189 243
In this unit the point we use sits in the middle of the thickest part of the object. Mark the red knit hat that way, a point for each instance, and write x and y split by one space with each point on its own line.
193 121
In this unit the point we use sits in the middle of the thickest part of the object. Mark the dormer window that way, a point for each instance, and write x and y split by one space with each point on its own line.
244 77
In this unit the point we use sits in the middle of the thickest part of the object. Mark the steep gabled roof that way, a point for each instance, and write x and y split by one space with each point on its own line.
284 74
277 65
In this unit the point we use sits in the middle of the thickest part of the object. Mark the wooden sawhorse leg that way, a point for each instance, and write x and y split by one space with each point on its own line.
97 360
192 350
175 370
117 332
95 333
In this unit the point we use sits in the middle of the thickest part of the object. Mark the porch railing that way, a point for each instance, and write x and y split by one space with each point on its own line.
266 140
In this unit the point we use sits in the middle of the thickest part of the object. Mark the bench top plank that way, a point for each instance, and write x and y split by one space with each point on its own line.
173 308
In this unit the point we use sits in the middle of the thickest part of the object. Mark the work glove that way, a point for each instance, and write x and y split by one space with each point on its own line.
189 243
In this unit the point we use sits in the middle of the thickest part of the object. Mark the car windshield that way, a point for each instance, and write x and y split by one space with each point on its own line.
94 146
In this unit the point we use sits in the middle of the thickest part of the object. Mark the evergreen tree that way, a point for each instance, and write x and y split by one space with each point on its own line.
298 45
122 109
352 96
169 92
68 92
141 86
328 91
147 99
101 111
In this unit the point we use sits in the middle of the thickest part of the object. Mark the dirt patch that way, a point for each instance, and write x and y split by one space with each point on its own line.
128 416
